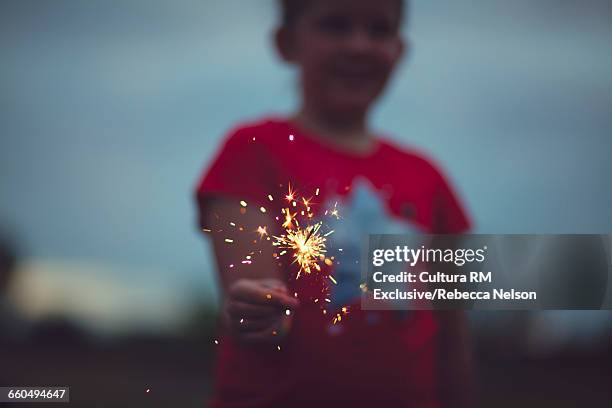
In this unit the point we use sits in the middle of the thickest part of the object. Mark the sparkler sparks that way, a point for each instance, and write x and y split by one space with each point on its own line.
262 231
334 212
343 312
307 245
302 239
289 217
290 195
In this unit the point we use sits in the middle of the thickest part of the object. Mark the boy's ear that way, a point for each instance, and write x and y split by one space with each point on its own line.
284 44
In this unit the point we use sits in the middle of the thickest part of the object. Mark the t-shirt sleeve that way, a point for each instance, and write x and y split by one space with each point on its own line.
242 170
450 215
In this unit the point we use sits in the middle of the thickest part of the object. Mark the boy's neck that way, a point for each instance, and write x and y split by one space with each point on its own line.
348 132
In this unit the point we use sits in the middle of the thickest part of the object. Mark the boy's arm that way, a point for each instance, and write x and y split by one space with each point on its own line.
255 295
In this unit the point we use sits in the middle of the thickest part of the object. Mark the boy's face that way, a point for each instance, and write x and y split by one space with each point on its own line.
346 51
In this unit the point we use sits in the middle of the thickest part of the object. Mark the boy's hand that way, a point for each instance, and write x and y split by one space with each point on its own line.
255 309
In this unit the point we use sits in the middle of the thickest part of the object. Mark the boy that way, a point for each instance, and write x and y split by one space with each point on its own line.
277 348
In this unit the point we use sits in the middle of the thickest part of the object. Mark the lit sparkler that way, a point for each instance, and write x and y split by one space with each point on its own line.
302 238
307 245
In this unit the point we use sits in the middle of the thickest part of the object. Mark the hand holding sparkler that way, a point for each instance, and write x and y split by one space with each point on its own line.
258 307
258 310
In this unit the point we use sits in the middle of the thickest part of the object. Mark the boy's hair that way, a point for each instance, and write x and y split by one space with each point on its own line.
291 9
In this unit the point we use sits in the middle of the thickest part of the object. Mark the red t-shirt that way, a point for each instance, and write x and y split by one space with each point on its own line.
371 357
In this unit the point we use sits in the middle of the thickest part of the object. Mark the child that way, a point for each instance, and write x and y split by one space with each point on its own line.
277 348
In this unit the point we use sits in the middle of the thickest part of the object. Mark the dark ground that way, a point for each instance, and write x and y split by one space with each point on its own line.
178 374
